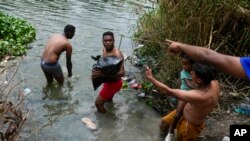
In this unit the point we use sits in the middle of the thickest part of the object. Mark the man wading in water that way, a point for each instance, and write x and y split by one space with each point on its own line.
109 88
57 44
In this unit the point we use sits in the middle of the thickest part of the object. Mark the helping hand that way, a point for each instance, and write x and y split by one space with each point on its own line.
148 73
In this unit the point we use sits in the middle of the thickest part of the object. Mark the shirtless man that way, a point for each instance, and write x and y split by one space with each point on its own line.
236 66
109 88
57 44
200 102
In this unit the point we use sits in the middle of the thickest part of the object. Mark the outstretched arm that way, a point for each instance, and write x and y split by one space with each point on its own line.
192 96
225 63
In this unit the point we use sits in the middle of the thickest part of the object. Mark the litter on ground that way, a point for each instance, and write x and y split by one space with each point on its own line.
89 123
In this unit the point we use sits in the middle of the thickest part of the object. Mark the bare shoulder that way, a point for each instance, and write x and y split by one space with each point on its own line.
215 87
118 53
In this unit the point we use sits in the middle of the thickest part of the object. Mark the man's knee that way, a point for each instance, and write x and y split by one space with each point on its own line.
99 101
60 80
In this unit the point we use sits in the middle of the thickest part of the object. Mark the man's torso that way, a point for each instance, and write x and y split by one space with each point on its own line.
196 113
54 47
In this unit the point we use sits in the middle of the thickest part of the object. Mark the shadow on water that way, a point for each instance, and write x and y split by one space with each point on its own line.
56 112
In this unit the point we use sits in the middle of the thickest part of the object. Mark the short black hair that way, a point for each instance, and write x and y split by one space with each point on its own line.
69 28
108 33
204 72
184 56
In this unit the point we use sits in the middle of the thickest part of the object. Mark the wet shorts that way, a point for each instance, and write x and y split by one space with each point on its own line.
245 62
52 68
186 131
110 88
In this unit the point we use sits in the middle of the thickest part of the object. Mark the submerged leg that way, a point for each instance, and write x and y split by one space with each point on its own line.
99 103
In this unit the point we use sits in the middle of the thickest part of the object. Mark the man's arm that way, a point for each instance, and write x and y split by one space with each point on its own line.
225 63
192 96
121 72
68 59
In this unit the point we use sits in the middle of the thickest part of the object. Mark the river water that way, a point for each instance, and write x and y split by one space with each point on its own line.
56 112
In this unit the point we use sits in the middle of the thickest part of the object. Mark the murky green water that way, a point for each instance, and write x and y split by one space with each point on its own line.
57 115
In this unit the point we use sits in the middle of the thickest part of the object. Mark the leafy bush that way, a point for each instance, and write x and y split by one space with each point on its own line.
15 35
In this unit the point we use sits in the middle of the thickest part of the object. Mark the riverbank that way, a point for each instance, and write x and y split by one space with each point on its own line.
218 127
12 111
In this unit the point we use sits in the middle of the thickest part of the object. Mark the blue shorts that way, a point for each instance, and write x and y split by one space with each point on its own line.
53 69
245 62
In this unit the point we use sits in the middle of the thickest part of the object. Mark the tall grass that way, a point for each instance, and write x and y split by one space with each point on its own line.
222 25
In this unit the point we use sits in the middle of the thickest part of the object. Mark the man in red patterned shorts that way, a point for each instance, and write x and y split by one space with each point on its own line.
109 88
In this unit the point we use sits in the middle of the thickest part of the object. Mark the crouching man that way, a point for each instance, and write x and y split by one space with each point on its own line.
200 102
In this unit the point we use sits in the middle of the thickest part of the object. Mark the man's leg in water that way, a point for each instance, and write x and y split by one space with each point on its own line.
99 103
106 94
60 79
58 74
49 77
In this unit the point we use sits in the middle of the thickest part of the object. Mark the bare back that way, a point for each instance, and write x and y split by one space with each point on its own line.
196 113
54 47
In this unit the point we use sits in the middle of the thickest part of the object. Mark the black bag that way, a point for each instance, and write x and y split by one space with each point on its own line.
108 65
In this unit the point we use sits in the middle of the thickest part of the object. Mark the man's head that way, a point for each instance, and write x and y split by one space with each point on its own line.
202 74
108 40
69 31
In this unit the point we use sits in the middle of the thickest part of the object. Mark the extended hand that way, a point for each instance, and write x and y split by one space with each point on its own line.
148 73
174 47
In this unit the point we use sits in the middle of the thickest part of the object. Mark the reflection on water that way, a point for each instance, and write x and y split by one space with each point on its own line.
56 111
57 98
55 91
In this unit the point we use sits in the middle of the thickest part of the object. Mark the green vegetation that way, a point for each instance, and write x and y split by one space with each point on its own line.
15 35
222 25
